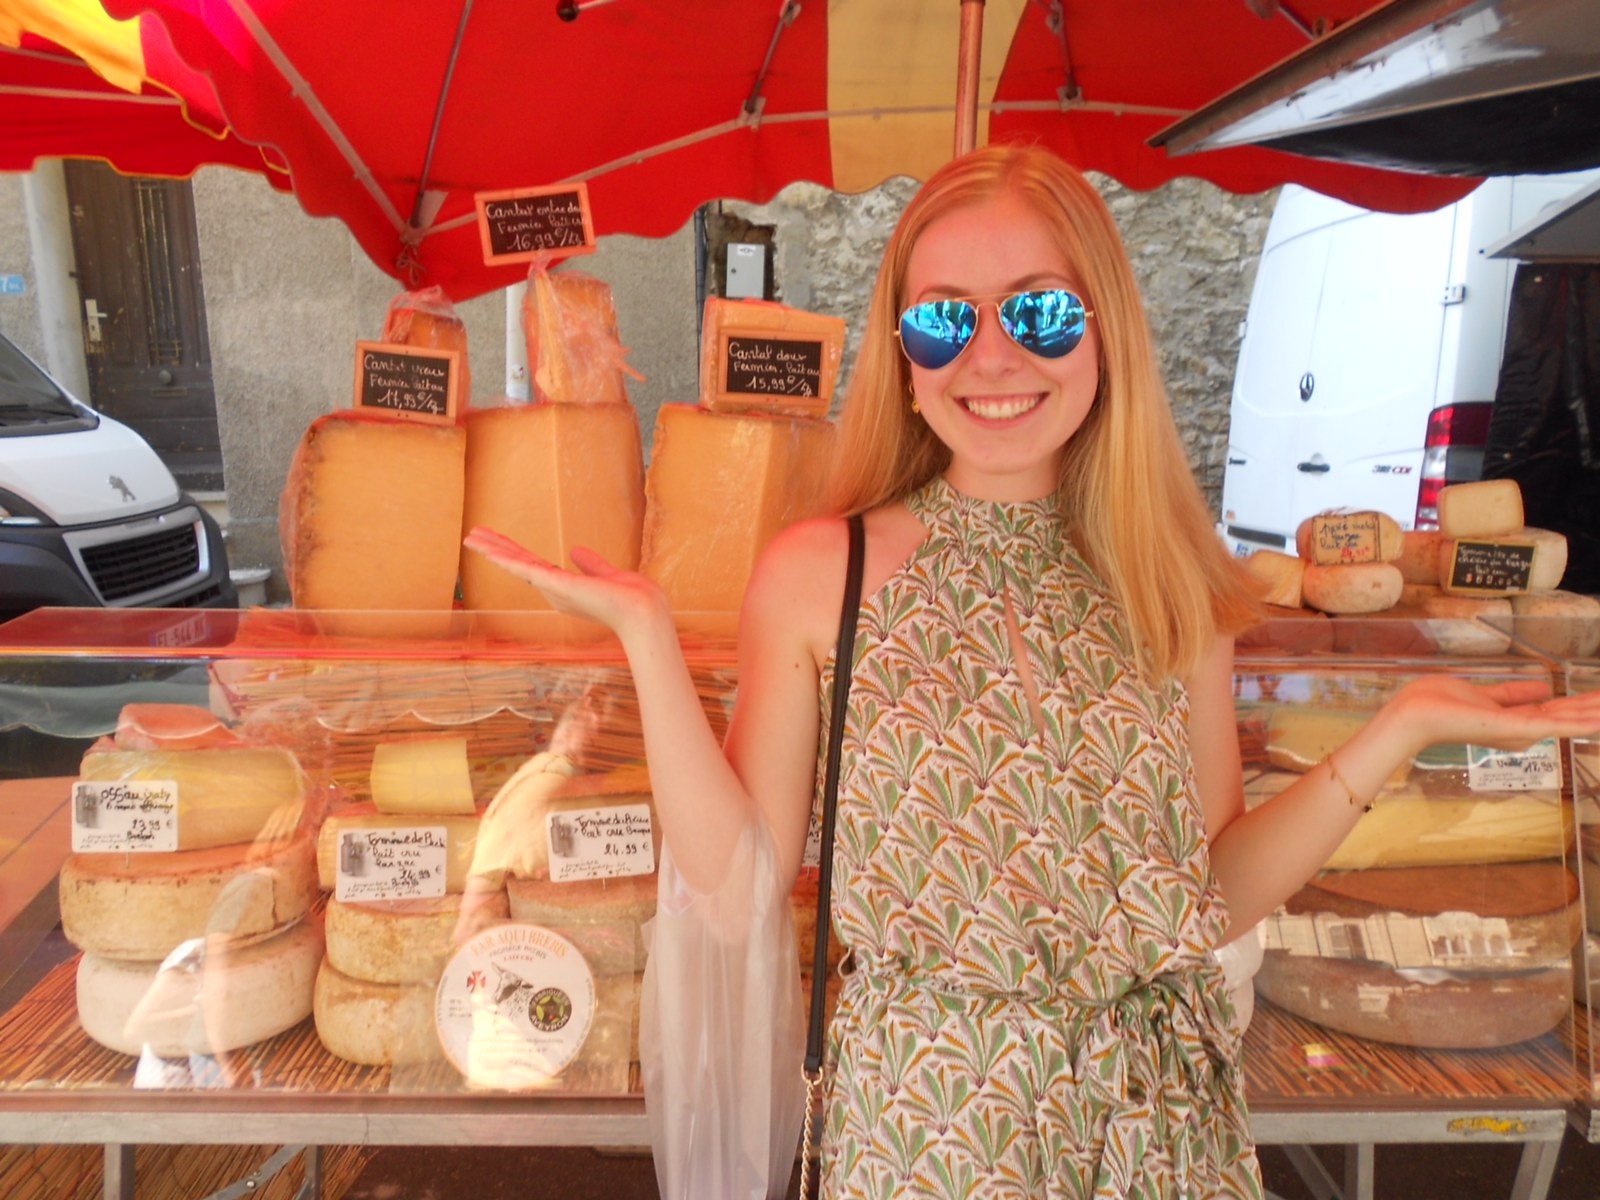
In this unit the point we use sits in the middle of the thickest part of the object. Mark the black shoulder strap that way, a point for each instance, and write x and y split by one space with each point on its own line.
843 660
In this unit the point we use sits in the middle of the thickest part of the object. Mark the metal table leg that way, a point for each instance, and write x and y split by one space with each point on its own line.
119 1172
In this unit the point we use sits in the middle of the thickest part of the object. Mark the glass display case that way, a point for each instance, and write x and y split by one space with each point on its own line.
370 889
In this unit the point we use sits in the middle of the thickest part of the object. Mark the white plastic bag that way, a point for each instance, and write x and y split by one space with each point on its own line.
722 1032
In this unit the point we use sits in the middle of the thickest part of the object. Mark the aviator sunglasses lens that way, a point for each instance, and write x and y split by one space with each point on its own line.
1048 323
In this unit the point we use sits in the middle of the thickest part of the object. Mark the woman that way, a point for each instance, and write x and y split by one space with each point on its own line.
1041 833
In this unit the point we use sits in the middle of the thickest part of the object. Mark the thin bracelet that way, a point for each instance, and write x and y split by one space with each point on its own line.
1349 792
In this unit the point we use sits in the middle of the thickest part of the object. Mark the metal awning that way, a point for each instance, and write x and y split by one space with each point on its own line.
1566 232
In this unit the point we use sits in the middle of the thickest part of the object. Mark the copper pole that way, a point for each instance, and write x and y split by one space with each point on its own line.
969 58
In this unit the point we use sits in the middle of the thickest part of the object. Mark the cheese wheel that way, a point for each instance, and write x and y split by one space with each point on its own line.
603 918
1562 625
1393 633
720 488
142 906
209 996
225 795
1418 560
1407 828
1487 508
375 1024
1550 556
371 520
1279 575
461 838
1349 538
398 941
1468 625
1356 588
1434 1009
514 838
171 727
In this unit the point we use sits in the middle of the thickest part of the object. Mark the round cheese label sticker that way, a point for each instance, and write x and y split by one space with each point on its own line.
514 1006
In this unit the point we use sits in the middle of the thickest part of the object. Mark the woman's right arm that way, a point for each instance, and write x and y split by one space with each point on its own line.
705 797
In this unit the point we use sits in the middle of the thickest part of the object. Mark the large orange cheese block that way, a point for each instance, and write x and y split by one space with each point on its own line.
553 477
428 320
574 351
371 519
721 486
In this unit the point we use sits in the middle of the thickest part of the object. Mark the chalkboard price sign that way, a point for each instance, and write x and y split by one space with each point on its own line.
768 365
1497 568
408 382
521 225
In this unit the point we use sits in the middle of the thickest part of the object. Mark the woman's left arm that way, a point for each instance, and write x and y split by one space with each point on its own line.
1262 857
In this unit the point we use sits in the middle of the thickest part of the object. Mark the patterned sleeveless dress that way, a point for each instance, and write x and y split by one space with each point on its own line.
1034 1010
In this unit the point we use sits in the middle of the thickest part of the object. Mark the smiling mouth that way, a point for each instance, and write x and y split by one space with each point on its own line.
1001 408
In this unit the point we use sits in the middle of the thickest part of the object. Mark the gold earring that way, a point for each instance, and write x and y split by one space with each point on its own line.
912 392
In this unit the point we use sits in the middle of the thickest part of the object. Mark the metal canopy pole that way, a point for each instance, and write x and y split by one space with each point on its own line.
969 58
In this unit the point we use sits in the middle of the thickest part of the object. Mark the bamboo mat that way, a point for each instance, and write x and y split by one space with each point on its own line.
1293 1063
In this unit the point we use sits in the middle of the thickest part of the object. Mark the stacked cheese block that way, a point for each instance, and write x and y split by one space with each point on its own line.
565 472
375 989
212 946
728 474
1445 919
427 319
577 855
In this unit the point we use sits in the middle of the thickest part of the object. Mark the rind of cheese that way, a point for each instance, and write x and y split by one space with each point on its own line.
422 775
172 727
225 795
1486 508
551 477
1454 624
758 317
1444 1011
375 1024
603 918
574 352
1562 625
721 486
207 997
1300 737
398 941
1549 559
1418 561
461 838
371 520
143 906
1351 588
1406 828
1349 538
1280 576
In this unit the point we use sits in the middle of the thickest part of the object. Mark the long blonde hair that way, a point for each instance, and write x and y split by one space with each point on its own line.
1126 489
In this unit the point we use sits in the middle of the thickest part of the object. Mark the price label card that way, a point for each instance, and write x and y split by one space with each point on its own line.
601 843
392 864
1492 568
1536 769
520 225
766 364
1346 538
115 817
407 382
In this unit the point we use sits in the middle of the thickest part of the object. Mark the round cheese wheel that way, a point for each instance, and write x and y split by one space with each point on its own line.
1469 625
1433 1009
398 941
601 917
374 1024
1418 561
142 906
208 996
1562 625
1351 588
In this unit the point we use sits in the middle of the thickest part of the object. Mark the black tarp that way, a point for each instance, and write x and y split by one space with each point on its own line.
1545 432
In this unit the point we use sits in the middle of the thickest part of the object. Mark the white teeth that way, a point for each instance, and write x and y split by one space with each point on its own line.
1000 410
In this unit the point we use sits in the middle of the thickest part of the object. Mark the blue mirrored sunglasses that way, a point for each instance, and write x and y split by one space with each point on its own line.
1048 322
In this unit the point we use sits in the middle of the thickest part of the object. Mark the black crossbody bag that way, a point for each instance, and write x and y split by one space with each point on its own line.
843 661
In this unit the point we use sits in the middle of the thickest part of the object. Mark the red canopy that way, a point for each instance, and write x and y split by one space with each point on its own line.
390 114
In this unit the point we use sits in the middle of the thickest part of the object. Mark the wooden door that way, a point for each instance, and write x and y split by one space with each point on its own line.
143 311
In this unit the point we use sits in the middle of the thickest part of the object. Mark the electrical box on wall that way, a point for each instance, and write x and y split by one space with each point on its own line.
746 277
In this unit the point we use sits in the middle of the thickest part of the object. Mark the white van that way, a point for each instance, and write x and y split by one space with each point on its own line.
1369 358
89 515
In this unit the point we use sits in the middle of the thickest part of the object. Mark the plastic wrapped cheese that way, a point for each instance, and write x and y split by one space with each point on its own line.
575 354
757 356
720 487
426 318
371 519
